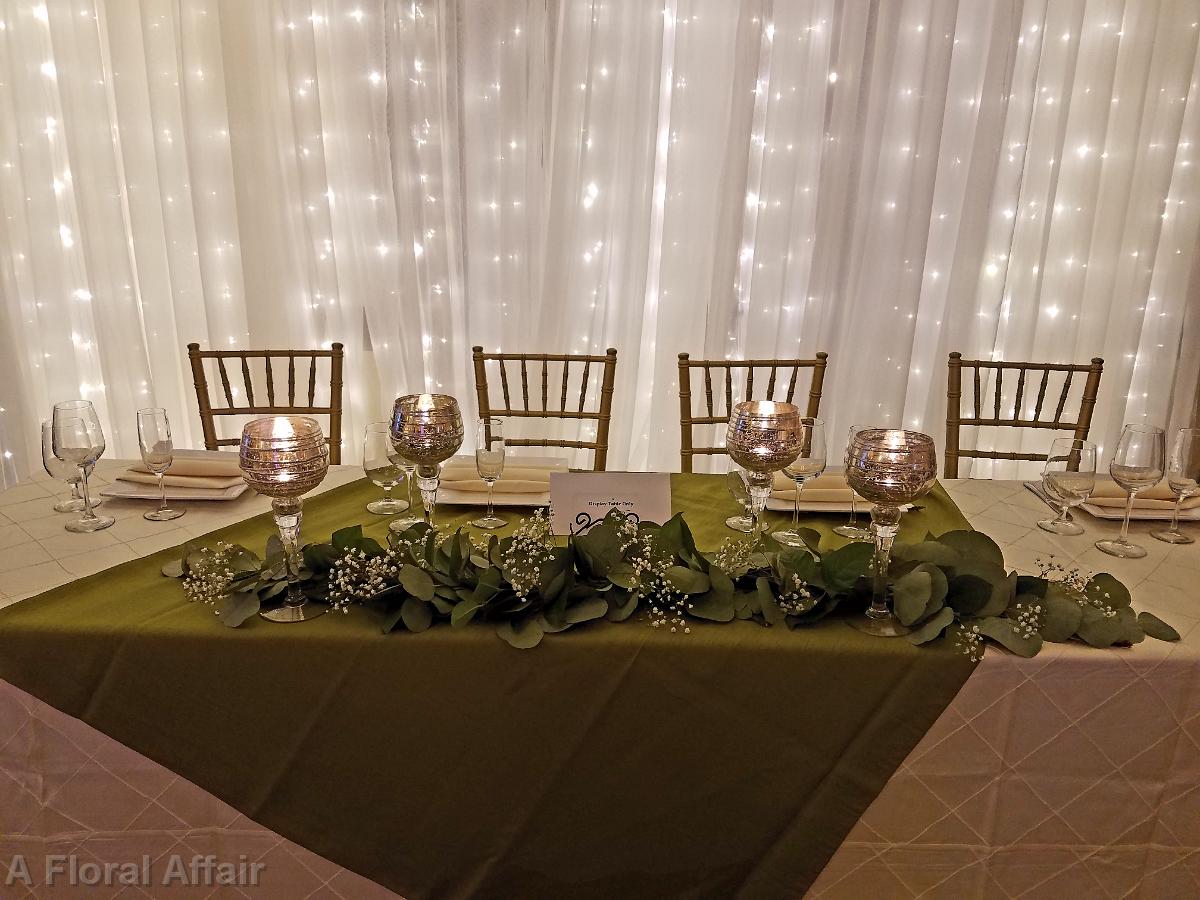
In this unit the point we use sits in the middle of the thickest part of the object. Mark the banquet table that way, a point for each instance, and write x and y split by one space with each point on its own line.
1076 773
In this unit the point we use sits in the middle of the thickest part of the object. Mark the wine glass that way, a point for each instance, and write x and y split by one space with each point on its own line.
409 468
78 440
1068 479
763 437
382 467
1137 464
850 529
809 464
61 471
154 440
735 479
489 462
1183 475
890 468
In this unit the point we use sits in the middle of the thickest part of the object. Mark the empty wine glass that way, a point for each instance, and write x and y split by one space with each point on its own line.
382 466
78 440
409 468
1137 464
61 471
735 479
489 462
850 529
158 452
1183 475
809 464
1068 479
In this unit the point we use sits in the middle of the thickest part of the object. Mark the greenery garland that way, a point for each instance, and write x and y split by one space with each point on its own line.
528 585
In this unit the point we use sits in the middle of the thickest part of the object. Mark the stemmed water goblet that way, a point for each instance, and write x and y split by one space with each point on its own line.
1183 475
285 457
809 464
851 529
1068 479
78 440
1136 465
489 463
427 429
889 468
409 468
382 467
763 437
735 479
158 452
62 471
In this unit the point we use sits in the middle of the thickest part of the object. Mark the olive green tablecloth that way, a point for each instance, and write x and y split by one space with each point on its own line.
612 761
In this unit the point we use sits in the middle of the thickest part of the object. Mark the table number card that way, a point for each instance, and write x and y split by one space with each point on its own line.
580 499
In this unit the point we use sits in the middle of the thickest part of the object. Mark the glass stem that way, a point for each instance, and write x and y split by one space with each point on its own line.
853 509
885 522
288 515
162 491
759 487
796 504
387 492
1175 515
1124 539
428 478
75 494
87 497
491 485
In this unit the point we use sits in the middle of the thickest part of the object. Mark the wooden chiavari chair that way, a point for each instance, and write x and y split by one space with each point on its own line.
208 412
602 414
955 419
687 420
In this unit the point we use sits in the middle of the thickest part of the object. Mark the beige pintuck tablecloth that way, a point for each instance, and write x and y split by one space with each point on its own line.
1075 774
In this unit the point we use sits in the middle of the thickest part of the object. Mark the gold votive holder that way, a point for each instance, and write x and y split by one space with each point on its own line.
427 429
285 457
890 467
763 437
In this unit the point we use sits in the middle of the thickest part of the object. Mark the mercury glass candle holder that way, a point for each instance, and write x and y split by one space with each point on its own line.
890 468
764 436
427 429
285 457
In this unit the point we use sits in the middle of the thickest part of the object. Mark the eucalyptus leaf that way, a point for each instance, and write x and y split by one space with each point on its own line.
911 594
722 586
273 590
523 635
1156 627
239 607
771 612
586 610
714 607
173 569
974 546
927 551
968 594
463 613
345 538
688 581
1004 632
481 561
843 567
622 575
933 627
621 605
417 615
1061 616
390 620
274 548
1103 587
1100 630
417 582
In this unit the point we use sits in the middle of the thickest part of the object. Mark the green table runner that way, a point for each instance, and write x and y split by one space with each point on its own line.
611 761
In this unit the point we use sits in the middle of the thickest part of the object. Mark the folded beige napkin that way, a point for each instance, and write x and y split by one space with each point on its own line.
182 481
521 476
830 487
199 463
1108 493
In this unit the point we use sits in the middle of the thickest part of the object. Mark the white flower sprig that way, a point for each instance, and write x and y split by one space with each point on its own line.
209 578
532 547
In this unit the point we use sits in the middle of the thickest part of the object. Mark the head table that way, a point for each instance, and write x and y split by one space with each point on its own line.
1076 773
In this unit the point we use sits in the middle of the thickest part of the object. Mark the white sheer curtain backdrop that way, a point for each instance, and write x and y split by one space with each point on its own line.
883 181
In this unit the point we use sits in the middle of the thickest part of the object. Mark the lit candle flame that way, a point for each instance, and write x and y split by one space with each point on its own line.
282 427
425 402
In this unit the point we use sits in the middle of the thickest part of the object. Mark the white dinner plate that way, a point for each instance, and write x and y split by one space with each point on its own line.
479 498
1118 512
131 490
